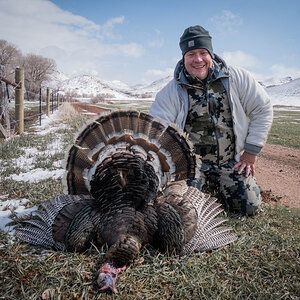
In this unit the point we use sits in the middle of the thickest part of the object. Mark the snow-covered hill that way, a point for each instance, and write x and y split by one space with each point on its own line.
91 86
115 89
291 88
282 91
286 93
152 88
118 85
273 81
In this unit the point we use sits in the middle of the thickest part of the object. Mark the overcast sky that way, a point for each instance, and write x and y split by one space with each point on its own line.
136 41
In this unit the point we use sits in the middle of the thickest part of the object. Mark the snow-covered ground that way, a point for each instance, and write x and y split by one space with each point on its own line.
7 207
17 206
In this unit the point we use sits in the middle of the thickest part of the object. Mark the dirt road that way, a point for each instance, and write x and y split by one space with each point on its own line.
278 171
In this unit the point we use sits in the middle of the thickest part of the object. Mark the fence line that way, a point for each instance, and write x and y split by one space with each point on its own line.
9 82
19 88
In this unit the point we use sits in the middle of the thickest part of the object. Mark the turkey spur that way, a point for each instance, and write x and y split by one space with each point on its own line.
125 187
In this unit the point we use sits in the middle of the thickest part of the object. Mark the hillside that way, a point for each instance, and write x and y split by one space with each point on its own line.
91 86
285 94
291 88
154 87
273 81
282 91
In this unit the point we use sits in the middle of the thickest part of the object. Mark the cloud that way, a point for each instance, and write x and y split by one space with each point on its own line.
241 59
250 62
158 43
74 42
38 23
157 40
155 74
107 28
227 21
132 49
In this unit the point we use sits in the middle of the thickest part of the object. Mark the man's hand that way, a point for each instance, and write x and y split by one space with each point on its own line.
247 161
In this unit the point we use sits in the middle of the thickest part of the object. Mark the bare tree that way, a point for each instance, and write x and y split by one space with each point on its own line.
37 70
9 55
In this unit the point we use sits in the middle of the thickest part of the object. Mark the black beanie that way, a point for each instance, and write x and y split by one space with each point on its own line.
196 37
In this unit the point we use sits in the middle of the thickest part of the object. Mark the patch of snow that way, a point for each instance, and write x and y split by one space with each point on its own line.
37 175
31 154
16 206
58 164
87 113
24 163
55 147
47 127
285 101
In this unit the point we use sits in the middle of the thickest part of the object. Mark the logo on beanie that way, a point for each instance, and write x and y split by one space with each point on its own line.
191 43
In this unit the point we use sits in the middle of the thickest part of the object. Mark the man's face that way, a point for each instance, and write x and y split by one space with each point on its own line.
197 62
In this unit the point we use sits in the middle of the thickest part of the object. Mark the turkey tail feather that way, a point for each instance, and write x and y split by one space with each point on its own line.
199 215
209 234
179 148
37 237
40 228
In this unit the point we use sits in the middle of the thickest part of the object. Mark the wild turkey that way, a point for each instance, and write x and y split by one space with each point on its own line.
125 186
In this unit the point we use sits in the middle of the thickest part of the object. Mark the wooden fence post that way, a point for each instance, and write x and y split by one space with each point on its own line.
19 103
48 102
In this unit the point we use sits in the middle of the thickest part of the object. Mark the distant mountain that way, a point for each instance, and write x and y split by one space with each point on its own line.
291 88
89 86
57 78
282 91
92 86
285 94
118 85
273 81
152 88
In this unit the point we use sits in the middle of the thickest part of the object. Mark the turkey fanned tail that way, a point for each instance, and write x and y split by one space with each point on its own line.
189 221
114 137
49 226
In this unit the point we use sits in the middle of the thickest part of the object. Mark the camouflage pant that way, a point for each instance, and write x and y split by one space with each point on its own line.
239 194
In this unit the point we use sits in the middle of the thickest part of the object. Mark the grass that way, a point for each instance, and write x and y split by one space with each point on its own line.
264 263
286 128
143 105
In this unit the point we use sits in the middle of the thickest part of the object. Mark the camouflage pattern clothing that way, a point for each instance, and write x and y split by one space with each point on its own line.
235 191
209 121
210 127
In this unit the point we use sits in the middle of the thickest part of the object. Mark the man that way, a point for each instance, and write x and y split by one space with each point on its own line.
227 115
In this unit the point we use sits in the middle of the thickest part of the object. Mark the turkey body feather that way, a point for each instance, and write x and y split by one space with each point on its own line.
125 185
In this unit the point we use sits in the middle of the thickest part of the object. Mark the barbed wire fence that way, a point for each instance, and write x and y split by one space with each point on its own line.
12 121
